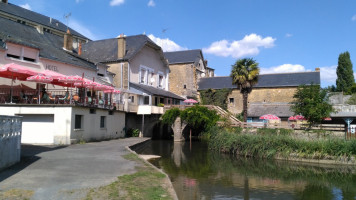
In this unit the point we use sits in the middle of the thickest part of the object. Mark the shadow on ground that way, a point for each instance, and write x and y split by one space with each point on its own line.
28 156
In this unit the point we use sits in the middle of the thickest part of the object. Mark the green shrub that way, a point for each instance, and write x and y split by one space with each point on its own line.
160 105
170 116
132 132
268 131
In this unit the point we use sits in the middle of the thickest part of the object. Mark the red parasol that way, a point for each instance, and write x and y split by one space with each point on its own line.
269 117
19 72
39 79
190 101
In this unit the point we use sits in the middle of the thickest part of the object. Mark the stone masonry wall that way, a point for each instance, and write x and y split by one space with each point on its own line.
116 68
260 95
180 75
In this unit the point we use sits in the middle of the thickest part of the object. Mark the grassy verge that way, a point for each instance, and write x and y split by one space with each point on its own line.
16 194
265 145
147 183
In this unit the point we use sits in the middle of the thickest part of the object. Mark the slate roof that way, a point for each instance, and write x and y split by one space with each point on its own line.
106 50
264 81
36 17
154 91
49 45
188 56
278 109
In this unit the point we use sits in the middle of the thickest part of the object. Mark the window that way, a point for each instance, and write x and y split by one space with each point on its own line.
185 86
92 111
132 98
146 100
13 56
161 100
29 59
102 121
78 121
231 100
160 81
143 76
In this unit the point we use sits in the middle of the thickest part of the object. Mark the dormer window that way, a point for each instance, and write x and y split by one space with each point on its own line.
160 81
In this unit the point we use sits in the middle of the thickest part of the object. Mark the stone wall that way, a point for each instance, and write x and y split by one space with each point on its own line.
10 140
121 74
180 75
260 95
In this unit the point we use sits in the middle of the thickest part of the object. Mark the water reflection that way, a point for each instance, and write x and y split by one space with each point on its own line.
197 173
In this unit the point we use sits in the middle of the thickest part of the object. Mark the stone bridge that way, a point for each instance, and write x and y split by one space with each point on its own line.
179 126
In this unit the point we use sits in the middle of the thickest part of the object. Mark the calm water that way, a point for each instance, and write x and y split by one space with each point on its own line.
197 173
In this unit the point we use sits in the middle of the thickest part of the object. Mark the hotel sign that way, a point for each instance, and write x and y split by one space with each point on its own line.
52 68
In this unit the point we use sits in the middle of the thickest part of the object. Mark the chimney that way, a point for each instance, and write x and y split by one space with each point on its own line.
4 1
317 69
121 46
68 41
80 49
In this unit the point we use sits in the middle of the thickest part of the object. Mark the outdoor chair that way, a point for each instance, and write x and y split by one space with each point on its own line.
64 99
52 99
24 98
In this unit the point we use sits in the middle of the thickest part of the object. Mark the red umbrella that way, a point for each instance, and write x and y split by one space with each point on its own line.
19 72
71 80
327 119
269 117
13 70
190 101
112 91
299 117
39 79
292 118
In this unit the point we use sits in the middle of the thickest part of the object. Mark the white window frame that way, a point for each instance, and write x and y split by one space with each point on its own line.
163 80
147 72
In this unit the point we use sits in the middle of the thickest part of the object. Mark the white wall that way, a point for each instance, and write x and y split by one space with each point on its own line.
55 124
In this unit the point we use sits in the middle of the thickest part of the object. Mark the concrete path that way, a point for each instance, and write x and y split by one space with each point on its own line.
55 172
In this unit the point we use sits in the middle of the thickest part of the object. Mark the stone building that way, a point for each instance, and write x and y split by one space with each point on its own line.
186 68
271 95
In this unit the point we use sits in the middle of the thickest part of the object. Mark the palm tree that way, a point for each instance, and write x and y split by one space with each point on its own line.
244 74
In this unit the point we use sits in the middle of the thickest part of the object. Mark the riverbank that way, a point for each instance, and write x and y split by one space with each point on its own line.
282 144
83 171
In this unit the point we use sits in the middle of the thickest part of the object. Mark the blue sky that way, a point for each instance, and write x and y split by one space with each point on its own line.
281 35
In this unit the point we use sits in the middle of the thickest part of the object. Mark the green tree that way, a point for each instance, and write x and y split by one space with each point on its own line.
199 118
244 74
345 75
311 102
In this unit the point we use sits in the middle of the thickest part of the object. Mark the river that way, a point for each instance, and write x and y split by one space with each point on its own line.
197 173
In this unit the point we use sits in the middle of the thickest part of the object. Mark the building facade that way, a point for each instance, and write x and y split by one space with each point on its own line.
186 68
271 95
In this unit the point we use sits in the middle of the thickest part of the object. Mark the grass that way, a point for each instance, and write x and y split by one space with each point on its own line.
146 183
16 194
268 144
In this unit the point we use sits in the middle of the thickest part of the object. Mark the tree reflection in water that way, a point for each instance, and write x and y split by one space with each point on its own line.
201 174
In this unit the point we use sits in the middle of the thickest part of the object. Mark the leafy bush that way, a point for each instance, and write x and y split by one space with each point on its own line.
160 105
132 132
215 97
170 116
200 118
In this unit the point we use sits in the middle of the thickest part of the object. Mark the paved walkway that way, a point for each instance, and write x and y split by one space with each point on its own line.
53 172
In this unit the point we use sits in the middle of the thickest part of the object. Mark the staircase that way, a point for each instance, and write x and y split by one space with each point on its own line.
224 113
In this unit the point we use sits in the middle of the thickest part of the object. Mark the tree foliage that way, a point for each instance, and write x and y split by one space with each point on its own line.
352 100
199 118
311 102
215 97
244 74
345 75
170 116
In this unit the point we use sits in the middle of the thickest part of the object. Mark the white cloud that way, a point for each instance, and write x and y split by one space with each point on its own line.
353 18
116 2
283 69
328 75
78 1
26 6
289 35
80 28
151 3
166 44
250 45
